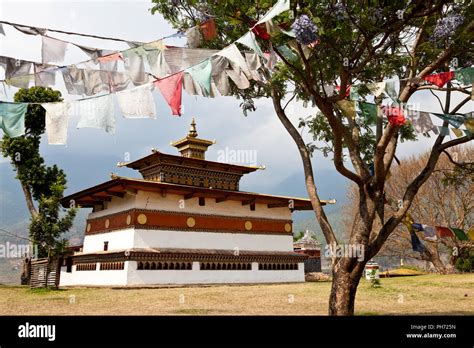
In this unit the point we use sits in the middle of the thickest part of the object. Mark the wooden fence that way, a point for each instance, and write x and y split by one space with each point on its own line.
44 273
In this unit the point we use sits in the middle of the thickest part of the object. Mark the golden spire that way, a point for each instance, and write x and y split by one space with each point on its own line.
192 130
191 145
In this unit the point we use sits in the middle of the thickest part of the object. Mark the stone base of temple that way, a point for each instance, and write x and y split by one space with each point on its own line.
139 267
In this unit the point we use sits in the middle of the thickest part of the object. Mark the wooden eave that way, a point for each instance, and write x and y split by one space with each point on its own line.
96 195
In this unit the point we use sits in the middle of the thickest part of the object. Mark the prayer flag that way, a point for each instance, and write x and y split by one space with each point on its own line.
171 89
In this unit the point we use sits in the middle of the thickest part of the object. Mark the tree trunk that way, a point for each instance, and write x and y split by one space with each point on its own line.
343 293
29 200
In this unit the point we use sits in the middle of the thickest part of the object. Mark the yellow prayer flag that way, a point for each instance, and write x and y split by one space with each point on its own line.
458 132
347 107
469 123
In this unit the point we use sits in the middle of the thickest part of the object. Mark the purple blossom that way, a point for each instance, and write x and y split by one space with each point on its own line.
339 10
446 26
305 30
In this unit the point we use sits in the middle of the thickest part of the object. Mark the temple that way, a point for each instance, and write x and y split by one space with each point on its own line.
185 222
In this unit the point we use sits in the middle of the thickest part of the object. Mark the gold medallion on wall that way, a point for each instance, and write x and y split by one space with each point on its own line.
129 219
191 222
142 219
107 223
248 225
287 227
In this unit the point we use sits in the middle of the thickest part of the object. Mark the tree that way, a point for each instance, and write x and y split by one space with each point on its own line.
446 199
352 42
39 182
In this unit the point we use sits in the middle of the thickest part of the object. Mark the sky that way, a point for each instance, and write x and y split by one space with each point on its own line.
260 134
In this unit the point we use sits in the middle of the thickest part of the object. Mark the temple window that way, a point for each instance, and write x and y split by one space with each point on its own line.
106 246
202 201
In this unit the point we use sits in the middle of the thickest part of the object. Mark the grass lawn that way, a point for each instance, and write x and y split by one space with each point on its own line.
426 294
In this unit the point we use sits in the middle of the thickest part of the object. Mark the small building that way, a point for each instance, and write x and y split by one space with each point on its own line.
184 222
311 247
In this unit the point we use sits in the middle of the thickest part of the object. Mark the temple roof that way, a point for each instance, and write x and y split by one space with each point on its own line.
119 186
159 157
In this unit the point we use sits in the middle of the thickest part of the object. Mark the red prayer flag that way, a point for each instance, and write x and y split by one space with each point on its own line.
110 58
261 31
348 90
444 232
171 89
395 115
440 79
208 29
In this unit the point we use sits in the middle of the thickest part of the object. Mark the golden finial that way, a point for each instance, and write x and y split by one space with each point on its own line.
192 130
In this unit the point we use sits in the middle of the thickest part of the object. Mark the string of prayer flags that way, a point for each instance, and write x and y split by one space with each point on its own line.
97 112
454 120
171 89
137 102
57 119
201 73
395 115
369 112
209 30
12 118
459 234
420 120
465 75
347 107
279 7
440 79
250 41
53 50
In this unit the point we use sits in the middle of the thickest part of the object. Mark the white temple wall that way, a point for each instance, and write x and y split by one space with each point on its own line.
136 238
116 205
145 277
211 240
154 201
118 240
96 278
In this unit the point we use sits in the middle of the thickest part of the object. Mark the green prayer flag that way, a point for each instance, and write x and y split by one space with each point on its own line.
454 120
12 118
201 73
459 233
369 112
465 76
287 53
